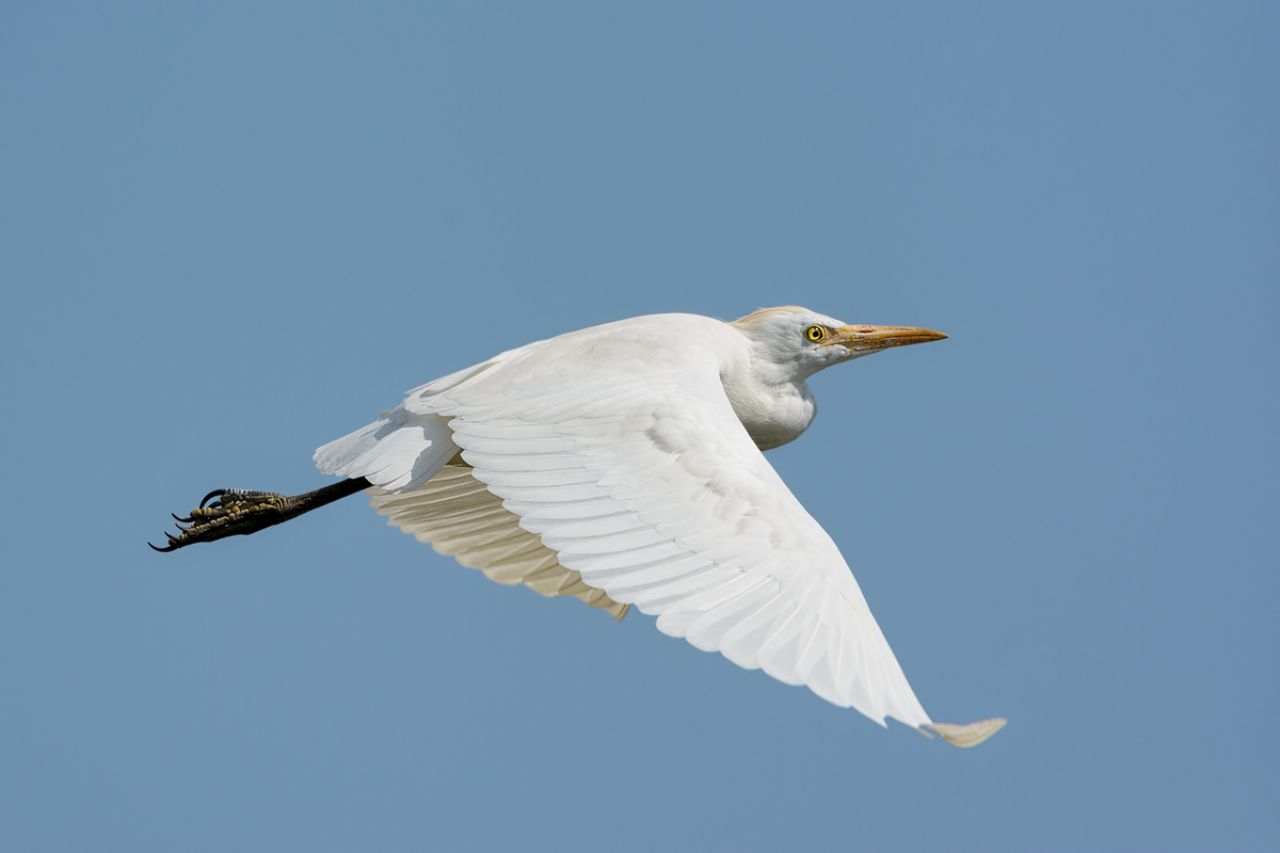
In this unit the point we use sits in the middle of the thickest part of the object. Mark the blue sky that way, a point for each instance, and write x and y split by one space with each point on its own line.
232 232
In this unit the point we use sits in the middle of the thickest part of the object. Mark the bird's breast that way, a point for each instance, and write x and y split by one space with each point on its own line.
773 415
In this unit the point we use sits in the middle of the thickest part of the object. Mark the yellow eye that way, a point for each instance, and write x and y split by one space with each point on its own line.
815 333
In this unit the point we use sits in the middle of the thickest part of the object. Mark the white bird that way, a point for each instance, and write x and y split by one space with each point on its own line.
621 465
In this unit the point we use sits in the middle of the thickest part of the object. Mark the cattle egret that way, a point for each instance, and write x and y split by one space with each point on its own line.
621 465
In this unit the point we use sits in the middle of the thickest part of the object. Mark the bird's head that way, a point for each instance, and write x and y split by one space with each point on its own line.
805 341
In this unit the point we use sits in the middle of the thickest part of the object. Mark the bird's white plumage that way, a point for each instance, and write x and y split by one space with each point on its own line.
611 464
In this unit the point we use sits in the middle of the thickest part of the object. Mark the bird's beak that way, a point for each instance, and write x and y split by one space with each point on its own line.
867 339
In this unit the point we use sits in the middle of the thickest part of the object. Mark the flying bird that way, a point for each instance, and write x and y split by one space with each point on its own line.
622 465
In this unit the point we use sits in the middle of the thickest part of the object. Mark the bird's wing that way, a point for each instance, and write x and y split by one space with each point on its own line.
459 517
646 483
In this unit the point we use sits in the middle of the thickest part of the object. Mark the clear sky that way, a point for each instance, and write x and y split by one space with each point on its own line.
231 232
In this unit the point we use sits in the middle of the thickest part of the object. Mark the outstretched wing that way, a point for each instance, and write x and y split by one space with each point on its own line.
654 493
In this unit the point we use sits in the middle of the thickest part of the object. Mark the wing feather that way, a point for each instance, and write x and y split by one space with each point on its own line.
461 518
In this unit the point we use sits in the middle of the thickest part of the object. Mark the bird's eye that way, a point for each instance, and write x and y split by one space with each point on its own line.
815 333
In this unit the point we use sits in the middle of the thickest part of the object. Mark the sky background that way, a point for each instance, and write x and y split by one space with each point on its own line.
231 232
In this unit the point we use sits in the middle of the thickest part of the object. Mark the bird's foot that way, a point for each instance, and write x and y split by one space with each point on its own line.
230 512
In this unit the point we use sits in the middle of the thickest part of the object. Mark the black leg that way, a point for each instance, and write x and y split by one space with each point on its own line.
239 512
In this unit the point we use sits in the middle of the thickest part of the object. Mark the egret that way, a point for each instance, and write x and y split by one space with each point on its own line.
622 465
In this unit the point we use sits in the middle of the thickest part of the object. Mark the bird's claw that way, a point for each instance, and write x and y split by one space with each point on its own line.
227 512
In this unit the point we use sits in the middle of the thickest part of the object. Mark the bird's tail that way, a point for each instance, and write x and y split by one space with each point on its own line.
398 452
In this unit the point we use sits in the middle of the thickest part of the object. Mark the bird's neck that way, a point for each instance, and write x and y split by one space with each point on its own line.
774 407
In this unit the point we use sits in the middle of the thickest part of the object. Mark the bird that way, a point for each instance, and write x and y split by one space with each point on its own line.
623 465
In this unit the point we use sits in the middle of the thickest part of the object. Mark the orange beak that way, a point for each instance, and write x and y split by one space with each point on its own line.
866 338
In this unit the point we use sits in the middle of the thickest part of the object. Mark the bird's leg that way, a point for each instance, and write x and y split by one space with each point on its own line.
239 512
